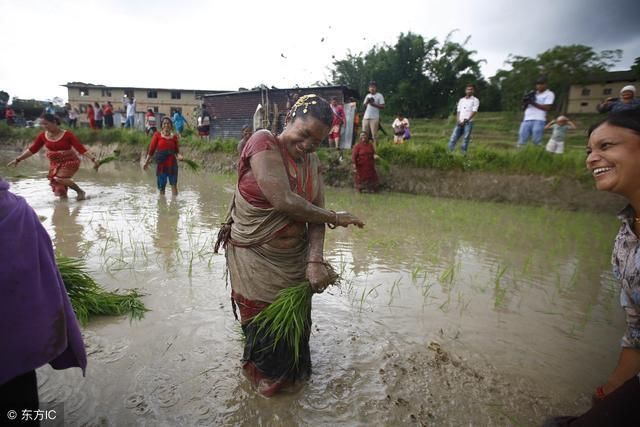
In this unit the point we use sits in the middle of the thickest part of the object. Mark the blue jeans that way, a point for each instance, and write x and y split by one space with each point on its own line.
459 131
533 129
131 121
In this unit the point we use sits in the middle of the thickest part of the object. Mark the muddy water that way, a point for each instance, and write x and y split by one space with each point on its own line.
450 312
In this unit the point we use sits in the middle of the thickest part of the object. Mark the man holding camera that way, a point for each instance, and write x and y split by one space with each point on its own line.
467 109
374 102
535 104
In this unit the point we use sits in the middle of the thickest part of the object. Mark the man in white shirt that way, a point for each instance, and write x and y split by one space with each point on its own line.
535 113
131 113
374 102
466 111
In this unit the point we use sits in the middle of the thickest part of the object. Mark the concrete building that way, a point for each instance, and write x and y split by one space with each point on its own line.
584 98
232 110
161 101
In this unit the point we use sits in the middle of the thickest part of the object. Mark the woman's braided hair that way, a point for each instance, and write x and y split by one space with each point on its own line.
311 105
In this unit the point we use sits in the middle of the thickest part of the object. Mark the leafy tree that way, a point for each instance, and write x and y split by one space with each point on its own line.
417 76
636 66
4 97
563 66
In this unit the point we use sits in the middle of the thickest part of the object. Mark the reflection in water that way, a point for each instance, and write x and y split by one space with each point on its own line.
166 235
67 231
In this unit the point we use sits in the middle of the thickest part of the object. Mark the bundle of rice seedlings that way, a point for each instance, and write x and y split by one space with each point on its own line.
90 299
287 317
195 167
107 159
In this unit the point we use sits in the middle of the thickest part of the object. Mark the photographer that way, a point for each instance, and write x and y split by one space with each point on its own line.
627 101
374 102
535 105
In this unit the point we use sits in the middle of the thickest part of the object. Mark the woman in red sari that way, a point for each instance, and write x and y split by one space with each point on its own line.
364 168
91 116
63 160
164 147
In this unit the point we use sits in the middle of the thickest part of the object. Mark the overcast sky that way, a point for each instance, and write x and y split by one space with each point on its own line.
195 44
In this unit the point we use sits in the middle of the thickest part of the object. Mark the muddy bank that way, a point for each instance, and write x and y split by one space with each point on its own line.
557 192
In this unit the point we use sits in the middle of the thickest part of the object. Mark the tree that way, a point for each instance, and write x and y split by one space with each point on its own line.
4 97
417 76
636 66
562 65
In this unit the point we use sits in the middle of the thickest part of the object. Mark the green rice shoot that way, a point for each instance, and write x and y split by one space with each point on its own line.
194 166
89 299
287 318
107 159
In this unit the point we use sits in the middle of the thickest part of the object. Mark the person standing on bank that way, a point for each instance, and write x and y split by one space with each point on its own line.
627 101
98 115
466 110
536 104
374 102
108 115
63 161
130 122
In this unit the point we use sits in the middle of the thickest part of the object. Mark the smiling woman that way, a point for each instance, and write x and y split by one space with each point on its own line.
613 157
275 236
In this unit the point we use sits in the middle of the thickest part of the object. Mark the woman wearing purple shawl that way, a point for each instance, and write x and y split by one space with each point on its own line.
37 323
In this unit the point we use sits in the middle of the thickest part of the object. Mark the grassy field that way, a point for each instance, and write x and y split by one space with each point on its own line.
493 146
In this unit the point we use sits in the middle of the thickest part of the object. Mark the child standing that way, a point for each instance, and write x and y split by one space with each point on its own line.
560 127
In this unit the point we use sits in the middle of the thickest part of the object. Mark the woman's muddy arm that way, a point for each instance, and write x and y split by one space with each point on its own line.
316 271
628 367
25 155
272 179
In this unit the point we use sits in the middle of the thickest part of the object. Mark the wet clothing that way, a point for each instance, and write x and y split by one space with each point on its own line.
258 271
364 162
37 323
164 149
63 161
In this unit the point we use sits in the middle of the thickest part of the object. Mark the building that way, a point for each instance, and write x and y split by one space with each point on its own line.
584 98
231 111
161 101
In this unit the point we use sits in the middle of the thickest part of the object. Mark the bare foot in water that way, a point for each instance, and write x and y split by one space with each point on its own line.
81 195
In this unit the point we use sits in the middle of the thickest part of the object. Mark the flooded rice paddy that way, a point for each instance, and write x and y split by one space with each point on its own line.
450 312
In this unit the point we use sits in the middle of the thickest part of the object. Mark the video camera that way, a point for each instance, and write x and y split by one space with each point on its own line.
529 98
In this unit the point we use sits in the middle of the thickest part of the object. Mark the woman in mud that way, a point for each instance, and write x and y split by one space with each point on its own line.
63 160
164 145
613 158
364 165
274 235
37 323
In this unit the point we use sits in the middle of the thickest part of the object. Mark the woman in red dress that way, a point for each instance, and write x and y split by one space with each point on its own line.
364 168
164 147
63 160
91 116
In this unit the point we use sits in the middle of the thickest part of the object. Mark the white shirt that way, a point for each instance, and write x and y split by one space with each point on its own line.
543 98
372 112
466 107
131 109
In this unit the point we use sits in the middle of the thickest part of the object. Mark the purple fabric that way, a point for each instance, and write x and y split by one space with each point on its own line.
37 323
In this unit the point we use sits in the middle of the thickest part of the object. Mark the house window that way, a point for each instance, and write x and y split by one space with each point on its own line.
606 91
584 104
128 93
152 94
175 94
586 92
84 91
155 109
174 109
106 92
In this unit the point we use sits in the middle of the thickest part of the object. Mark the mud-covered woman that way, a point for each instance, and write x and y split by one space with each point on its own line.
275 236
62 146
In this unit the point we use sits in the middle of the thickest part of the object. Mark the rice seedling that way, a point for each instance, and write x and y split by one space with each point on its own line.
89 299
287 318
396 285
448 274
194 166
104 161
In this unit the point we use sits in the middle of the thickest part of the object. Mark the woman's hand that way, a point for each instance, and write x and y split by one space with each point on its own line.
13 162
344 219
145 165
318 276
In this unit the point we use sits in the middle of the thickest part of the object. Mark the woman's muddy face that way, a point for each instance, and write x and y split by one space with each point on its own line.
304 135
166 126
613 158
48 126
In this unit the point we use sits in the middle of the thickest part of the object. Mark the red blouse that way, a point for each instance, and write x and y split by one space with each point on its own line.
66 142
160 142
